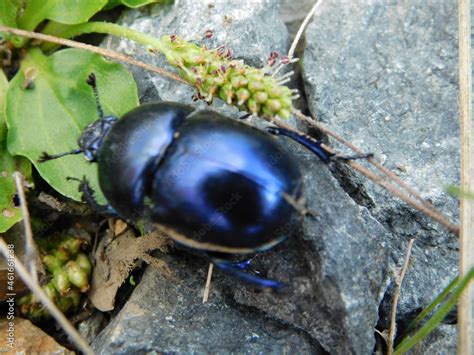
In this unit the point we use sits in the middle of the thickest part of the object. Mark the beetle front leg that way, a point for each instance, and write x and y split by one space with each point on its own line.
88 197
235 270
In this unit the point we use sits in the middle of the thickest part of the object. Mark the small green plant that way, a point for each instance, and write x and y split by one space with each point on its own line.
445 302
68 271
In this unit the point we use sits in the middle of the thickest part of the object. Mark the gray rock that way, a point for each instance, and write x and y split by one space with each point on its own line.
336 265
252 29
293 14
90 327
167 315
384 75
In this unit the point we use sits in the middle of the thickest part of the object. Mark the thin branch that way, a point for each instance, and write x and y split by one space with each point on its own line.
396 294
300 32
105 52
423 206
207 288
357 150
31 254
33 285
466 242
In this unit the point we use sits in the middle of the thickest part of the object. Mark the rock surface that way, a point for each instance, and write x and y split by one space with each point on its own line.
167 315
384 76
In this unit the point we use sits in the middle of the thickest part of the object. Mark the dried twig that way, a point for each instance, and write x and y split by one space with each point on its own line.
396 294
423 206
466 243
303 25
31 253
383 181
207 288
33 285
105 52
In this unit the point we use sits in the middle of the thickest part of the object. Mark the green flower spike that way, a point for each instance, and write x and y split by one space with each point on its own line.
214 73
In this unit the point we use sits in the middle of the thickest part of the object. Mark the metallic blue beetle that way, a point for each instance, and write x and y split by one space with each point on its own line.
217 185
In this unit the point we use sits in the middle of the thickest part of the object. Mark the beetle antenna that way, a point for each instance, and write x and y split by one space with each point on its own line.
45 156
91 81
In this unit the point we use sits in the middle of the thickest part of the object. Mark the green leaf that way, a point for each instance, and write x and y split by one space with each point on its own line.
64 11
8 14
51 114
445 307
9 214
457 192
130 3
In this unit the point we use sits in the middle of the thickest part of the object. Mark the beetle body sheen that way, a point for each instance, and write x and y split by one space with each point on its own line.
219 184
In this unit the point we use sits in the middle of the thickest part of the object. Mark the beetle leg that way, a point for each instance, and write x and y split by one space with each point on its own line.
315 146
88 196
244 117
307 141
236 271
242 265
299 205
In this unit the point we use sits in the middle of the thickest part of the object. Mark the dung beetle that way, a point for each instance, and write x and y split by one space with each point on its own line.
217 185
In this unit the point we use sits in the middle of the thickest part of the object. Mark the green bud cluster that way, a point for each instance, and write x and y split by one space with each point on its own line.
68 271
215 74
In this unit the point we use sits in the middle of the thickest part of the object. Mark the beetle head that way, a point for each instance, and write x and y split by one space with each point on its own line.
93 135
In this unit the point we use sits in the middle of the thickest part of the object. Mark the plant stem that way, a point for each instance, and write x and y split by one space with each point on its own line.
69 31
436 319
466 241
396 294
428 309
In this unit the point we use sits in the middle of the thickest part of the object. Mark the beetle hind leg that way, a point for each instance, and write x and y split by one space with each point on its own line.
235 270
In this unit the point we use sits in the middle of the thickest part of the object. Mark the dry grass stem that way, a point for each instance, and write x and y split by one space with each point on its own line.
423 206
31 252
466 243
207 288
301 29
104 52
396 294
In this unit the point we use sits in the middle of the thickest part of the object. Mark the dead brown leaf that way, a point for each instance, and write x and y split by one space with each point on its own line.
116 257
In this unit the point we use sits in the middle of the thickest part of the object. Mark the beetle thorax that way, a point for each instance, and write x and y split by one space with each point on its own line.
93 135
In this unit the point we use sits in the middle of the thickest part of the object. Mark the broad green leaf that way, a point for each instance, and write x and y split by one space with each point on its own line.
131 3
64 11
8 14
50 115
9 214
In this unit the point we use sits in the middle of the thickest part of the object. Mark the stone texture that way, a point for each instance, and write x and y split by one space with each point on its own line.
167 315
252 29
383 74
